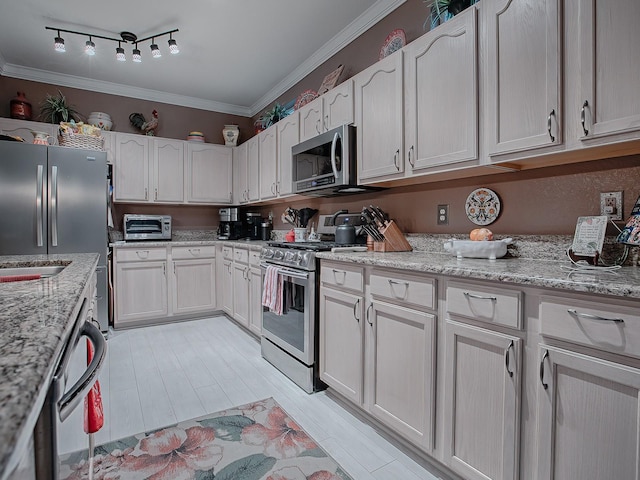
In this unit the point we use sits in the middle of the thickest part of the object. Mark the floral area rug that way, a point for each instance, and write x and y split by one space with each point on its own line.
258 441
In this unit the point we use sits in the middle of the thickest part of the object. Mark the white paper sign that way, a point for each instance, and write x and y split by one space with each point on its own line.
589 236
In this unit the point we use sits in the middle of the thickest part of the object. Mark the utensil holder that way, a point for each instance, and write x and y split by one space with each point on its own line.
394 240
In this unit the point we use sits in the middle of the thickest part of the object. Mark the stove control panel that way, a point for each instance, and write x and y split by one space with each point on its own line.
304 260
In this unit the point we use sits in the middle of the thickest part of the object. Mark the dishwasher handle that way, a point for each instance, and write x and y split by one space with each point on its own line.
76 394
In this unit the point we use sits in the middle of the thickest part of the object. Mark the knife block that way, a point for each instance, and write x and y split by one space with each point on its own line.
394 240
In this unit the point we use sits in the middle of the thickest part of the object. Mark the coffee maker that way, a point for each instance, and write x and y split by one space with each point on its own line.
254 225
230 224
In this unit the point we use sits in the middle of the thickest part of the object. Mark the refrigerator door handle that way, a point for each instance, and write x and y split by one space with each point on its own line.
54 206
39 204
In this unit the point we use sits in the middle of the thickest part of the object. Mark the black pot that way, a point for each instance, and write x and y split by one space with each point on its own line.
345 234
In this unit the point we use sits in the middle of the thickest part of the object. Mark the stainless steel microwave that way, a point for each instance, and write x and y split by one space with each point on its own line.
147 227
325 165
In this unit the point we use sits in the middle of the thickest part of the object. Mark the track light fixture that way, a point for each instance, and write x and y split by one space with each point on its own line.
125 37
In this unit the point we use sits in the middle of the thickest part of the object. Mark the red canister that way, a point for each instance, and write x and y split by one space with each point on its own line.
20 107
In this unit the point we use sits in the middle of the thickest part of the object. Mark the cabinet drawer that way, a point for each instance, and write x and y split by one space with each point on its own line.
197 251
343 276
254 258
227 252
141 254
408 289
241 255
606 327
499 306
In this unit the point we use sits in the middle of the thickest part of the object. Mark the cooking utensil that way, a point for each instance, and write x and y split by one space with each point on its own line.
306 214
345 234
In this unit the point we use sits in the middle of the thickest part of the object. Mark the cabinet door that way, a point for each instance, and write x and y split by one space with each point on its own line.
482 402
588 417
240 191
311 119
403 378
255 300
141 292
288 136
341 342
337 106
168 170
253 170
226 282
131 182
379 115
209 173
241 294
194 286
442 103
268 157
609 37
523 74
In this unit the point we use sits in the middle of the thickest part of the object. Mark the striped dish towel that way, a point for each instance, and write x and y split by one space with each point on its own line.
272 290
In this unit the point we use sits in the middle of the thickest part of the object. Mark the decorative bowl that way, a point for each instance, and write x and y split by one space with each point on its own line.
101 120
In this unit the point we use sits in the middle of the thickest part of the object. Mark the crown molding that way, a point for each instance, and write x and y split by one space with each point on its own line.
370 17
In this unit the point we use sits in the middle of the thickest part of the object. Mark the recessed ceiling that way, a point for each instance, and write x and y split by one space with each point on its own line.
236 56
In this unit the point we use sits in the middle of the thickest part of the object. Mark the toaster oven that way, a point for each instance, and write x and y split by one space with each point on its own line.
147 227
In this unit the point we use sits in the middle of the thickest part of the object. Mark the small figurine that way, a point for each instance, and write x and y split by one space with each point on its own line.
148 128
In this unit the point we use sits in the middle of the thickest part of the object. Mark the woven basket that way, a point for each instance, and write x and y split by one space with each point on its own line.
77 140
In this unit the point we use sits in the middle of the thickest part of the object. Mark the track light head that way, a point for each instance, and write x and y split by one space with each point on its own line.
58 44
137 56
155 50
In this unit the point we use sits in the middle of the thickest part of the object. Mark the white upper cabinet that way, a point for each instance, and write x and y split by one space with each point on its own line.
253 169
131 169
523 74
332 109
267 140
609 67
168 170
311 119
441 95
209 173
378 92
240 166
288 136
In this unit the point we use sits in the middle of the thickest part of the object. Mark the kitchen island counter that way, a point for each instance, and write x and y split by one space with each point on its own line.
37 318
624 282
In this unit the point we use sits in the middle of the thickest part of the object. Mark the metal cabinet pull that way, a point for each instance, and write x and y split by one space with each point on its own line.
546 355
506 358
174 268
143 254
318 126
395 159
411 161
355 308
344 275
553 113
394 282
54 206
40 205
582 117
164 269
479 297
146 194
194 251
156 194
273 188
367 314
326 123
574 312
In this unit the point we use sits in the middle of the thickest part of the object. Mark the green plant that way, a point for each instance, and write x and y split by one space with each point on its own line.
56 110
443 10
269 117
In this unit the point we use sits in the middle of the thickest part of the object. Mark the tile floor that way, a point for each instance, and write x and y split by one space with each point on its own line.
159 375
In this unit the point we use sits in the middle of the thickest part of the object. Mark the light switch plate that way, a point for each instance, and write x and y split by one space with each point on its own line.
611 205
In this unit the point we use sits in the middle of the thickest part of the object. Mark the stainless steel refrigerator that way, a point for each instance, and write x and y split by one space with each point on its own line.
54 200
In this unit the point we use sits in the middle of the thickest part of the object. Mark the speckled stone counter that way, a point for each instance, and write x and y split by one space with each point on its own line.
624 282
36 320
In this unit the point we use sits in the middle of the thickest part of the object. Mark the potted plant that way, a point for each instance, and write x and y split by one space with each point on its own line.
443 10
269 117
56 110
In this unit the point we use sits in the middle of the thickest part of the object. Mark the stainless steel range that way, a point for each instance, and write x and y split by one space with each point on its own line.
290 340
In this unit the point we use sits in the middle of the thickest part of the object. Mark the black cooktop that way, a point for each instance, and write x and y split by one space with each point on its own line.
312 246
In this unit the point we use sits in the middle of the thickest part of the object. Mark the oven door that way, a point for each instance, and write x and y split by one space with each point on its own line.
293 331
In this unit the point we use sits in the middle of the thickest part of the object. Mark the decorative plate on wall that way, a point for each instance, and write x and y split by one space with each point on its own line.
304 98
482 206
394 41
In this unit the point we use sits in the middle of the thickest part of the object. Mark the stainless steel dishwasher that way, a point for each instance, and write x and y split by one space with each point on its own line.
61 402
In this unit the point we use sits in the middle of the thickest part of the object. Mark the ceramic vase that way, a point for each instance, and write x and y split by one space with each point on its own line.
20 107
230 134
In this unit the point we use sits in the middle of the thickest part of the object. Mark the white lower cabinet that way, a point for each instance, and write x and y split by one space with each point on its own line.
240 294
225 279
482 402
153 284
242 287
255 300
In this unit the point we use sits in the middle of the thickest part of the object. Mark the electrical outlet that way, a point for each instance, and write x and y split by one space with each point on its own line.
611 205
443 214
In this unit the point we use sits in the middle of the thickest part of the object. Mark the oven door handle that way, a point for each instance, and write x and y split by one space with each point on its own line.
286 271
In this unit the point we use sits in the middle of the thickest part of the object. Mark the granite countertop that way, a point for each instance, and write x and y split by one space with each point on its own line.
36 320
624 282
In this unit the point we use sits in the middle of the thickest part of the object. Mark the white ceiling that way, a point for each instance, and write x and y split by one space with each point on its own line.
236 56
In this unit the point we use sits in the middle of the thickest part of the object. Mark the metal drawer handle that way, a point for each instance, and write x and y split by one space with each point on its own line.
394 282
480 297
589 316
355 307
506 358
553 113
367 314
546 355
582 117
343 272
144 254
194 251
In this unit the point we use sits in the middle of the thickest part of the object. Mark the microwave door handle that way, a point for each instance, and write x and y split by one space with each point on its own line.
334 144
